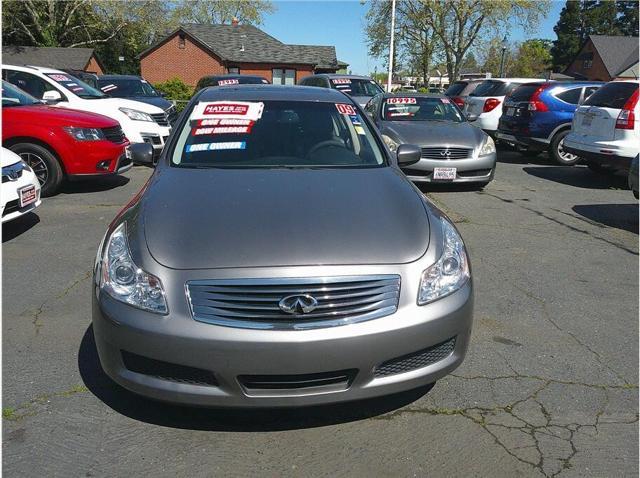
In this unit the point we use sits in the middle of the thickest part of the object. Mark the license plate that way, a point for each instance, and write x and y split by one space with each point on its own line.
444 174
28 195
586 121
511 111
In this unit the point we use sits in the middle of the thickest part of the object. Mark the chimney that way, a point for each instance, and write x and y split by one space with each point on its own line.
235 21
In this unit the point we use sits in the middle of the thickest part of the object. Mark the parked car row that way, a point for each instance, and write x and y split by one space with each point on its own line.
65 129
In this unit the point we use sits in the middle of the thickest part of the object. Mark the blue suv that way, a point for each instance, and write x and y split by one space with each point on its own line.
537 116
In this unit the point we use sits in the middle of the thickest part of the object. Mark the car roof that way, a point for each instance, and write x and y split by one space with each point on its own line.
273 92
232 75
338 75
116 77
31 68
402 94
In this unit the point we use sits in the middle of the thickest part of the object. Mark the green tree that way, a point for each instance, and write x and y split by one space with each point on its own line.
627 21
216 11
176 90
532 60
570 33
493 56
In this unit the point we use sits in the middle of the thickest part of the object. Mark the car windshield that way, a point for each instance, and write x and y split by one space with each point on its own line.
420 108
76 86
612 95
356 87
126 87
491 88
14 96
275 134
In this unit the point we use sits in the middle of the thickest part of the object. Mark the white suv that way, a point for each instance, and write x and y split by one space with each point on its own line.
140 122
604 132
485 102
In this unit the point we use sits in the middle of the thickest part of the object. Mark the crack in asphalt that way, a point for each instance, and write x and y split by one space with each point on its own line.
37 323
27 409
482 416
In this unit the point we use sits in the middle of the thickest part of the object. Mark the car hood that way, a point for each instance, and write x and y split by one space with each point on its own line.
222 218
52 115
158 101
8 157
434 133
116 103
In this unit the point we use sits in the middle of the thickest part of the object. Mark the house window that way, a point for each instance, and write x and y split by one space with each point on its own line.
586 64
284 77
181 41
234 70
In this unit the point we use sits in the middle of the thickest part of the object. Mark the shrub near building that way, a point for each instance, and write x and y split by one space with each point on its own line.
177 91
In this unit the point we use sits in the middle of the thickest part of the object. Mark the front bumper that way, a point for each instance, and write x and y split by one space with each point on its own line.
480 169
11 199
120 166
229 354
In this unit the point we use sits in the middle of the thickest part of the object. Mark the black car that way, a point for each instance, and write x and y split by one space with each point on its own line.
135 88
224 80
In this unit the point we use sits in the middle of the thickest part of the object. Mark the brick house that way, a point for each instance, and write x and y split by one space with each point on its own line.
60 58
194 50
606 58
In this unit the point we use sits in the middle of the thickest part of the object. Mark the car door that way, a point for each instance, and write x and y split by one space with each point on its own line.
32 84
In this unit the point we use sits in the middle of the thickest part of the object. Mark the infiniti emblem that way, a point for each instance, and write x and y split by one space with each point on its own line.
298 304
445 152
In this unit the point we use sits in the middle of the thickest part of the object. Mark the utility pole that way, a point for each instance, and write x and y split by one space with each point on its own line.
393 28
504 50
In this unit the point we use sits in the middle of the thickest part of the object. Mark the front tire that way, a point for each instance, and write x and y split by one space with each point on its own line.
44 164
558 153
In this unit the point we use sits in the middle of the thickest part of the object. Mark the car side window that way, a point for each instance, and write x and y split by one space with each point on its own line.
588 91
570 96
32 84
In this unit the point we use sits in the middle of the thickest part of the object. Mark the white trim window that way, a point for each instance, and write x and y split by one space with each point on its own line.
284 76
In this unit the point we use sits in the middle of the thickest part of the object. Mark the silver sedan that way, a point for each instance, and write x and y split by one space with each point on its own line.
452 149
278 257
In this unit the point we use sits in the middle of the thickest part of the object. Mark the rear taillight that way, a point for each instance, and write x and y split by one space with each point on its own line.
627 118
535 103
490 104
458 101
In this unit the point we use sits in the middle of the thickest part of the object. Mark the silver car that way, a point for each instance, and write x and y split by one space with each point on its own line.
453 150
278 257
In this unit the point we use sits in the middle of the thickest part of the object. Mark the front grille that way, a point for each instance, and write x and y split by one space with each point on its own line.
167 371
313 381
151 139
446 153
416 360
115 134
255 303
160 118
474 173
12 172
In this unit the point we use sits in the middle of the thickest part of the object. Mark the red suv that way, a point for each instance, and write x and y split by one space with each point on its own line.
61 143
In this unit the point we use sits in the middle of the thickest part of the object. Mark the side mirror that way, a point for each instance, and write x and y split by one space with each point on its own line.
408 154
140 153
471 117
52 96
163 94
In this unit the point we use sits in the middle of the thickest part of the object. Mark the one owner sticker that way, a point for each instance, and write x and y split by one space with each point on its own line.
194 148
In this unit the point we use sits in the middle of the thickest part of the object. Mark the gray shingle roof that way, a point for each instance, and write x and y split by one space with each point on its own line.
52 57
617 52
246 43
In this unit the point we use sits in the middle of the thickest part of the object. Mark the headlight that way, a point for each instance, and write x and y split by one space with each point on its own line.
488 147
136 115
126 282
450 272
85 134
391 144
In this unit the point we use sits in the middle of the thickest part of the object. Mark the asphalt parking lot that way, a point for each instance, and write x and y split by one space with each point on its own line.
549 386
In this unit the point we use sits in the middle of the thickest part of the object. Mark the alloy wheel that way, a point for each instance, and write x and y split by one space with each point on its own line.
564 155
38 165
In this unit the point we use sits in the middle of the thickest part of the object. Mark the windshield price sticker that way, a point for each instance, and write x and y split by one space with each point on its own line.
341 81
445 100
194 148
228 82
59 77
345 109
401 101
227 110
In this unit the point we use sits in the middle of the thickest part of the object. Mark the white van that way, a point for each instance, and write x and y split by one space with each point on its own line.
140 122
